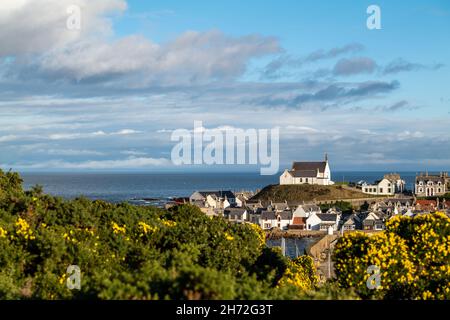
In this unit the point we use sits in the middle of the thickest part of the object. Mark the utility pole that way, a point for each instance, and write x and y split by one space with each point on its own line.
329 263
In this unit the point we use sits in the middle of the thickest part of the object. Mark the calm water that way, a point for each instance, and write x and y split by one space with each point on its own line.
125 186
294 247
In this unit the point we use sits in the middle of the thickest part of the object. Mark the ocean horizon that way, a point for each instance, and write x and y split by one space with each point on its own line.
125 186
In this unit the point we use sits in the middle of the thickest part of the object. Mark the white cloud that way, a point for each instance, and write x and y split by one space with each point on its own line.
73 152
191 58
128 163
133 153
69 136
8 138
100 133
30 26
125 132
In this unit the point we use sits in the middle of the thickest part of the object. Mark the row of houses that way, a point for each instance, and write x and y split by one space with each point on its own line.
282 215
319 173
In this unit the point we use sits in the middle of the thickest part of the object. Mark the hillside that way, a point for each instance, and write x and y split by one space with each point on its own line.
299 193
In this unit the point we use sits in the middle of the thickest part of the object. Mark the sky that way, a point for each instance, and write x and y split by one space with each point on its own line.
108 95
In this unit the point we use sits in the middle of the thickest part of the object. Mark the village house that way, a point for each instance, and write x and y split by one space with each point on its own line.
317 173
322 221
271 219
373 222
305 210
431 185
351 222
278 206
254 205
397 181
300 215
242 197
213 199
237 215
388 186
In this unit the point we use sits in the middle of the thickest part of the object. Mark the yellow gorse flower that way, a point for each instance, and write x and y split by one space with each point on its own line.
24 230
118 229
169 223
3 233
228 236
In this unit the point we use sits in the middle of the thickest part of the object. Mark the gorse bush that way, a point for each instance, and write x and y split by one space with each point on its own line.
130 252
413 257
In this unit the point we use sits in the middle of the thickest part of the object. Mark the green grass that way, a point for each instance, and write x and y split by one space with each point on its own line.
294 193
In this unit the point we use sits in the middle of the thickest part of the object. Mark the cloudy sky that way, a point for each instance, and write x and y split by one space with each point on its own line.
108 95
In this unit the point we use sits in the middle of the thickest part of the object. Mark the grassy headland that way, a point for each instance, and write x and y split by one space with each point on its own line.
306 192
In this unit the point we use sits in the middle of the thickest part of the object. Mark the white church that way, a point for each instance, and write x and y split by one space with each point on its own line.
318 173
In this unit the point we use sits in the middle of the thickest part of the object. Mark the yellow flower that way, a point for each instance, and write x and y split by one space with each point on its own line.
118 229
169 223
145 228
228 236
24 230
3 233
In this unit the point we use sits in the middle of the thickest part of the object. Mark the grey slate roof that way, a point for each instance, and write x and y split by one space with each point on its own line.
238 211
221 194
269 215
426 179
304 173
309 166
286 215
327 217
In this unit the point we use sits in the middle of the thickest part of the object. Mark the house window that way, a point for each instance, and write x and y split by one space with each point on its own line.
381 190
421 183
389 190
420 189
439 190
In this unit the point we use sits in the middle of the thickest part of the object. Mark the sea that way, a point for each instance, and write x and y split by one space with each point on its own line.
120 187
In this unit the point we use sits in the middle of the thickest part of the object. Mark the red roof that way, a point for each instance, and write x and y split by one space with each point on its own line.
299 221
426 203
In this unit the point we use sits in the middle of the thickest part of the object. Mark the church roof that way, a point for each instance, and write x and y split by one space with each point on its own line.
309 166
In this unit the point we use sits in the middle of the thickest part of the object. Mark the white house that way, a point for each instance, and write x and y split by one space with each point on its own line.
380 188
322 221
213 199
271 219
305 210
388 186
308 173
238 215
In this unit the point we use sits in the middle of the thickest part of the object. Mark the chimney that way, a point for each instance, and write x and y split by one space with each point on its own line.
326 157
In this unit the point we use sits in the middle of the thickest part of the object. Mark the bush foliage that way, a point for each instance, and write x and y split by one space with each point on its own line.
131 252
413 257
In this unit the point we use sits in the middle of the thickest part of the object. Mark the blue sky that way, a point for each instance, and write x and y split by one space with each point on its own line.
108 96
